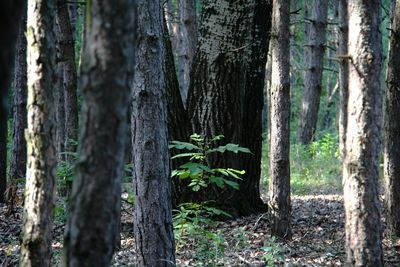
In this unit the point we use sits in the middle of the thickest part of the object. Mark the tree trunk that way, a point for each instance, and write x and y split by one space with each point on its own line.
178 123
392 128
225 94
361 166
153 217
40 180
69 77
279 193
343 76
9 11
315 48
187 41
18 157
106 81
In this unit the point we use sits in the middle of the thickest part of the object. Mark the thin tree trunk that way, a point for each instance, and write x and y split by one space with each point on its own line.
279 193
187 41
40 180
69 77
151 164
392 128
10 11
18 156
93 224
361 166
343 76
313 71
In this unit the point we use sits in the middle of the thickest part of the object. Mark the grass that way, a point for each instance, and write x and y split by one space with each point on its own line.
314 168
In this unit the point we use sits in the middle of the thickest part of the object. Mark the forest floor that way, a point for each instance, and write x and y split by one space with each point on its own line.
318 239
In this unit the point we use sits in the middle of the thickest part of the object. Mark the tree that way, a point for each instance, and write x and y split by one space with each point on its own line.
226 91
151 168
187 40
9 10
392 128
361 166
343 76
315 48
106 81
279 196
65 39
18 157
40 178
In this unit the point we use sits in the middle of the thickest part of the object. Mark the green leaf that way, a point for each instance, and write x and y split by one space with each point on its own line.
218 181
232 184
183 145
186 155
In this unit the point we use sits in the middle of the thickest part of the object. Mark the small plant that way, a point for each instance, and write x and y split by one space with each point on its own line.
201 175
272 252
194 222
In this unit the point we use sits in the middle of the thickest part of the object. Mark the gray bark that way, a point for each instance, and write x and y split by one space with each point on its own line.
18 157
361 167
10 11
392 128
343 76
187 40
279 191
151 164
69 76
41 166
315 48
106 78
226 91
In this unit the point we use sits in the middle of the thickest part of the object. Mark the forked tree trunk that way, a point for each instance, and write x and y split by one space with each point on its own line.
279 192
18 157
40 178
187 41
315 48
10 12
392 128
361 166
225 94
343 77
106 81
153 227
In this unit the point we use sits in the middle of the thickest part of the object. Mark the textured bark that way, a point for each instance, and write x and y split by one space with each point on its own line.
225 94
279 191
392 128
106 81
170 13
151 165
9 11
187 40
315 48
361 167
40 177
69 76
343 77
178 123
18 157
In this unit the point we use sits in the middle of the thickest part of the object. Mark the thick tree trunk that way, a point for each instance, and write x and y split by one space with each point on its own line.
187 41
10 11
392 128
361 166
69 76
343 77
151 164
107 63
18 157
279 193
315 48
225 94
40 180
